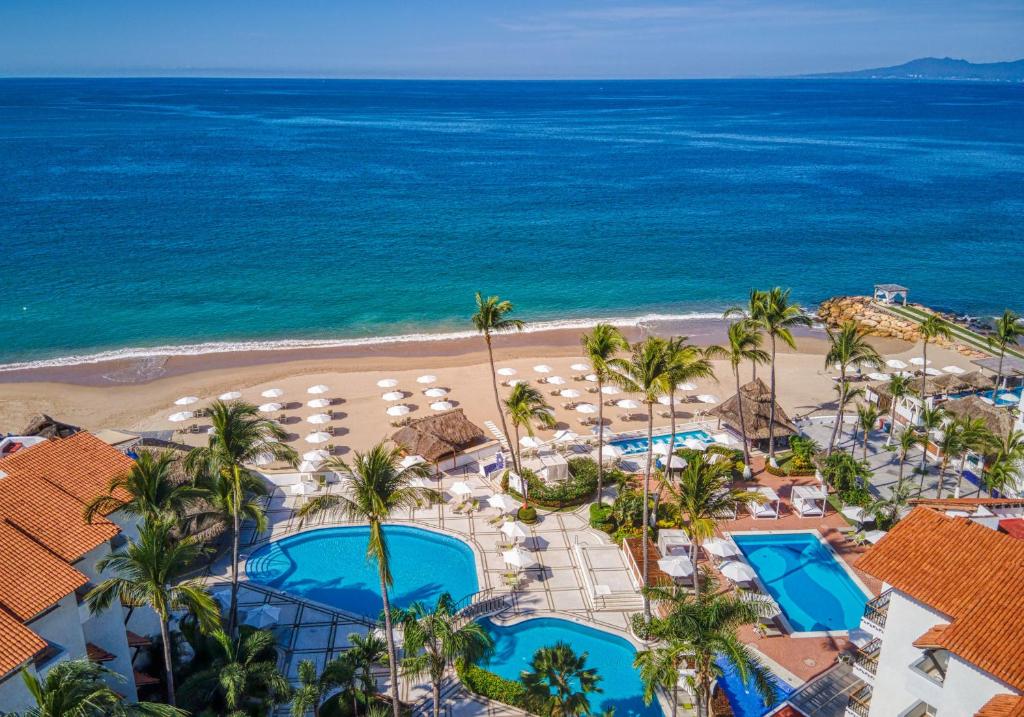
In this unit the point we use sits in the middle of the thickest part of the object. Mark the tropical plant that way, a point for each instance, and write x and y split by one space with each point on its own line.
315 686
659 667
150 571
152 490
647 372
218 506
366 651
928 419
435 640
847 476
888 511
744 344
846 394
931 328
243 676
600 346
867 418
685 363
899 387
526 406
847 347
804 449
377 488
80 688
1003 469
491 318
240 434
558 682
950 445
908 439
974 436
1008 332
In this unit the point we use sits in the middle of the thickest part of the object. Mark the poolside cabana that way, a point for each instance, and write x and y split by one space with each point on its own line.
808 500
673 541
769 508
997 419
443 435
756 398
890 294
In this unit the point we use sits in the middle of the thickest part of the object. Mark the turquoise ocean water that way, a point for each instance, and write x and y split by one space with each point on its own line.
156 212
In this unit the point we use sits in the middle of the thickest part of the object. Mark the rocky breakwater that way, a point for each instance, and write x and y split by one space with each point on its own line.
876 321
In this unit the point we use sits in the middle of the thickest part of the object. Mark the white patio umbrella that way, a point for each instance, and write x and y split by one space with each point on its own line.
677 566
724 438
230 395
556 380
180 416
586 408
569 393
686 386
186 400
461 488
918 361
737 572
895 363
856 514
677 463
319 403
695 444
515 530
955 370
564 435
517 557
318 437
530 442
399 409
506 371
262 616
542 368
392 396
387 383
873 536
580 367
435 392
933 371
707 398
441 406
592 377
264 459
610 451
503 502
426 378
318 455
319 419
876 376
610 390
414 460
272 393
627 403
660 449
720 547
666 400
270 407
309 466
318 389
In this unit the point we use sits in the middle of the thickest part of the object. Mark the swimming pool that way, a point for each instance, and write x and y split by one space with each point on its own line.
743 697
814 591
514 645
632 446
329 565
1006 398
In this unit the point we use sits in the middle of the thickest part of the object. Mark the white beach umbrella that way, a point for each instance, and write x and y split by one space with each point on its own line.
514 529
399 409
517 557
503 502
272 393
319 419
707 398
586 408
387 383
319 403
955 370
318 455
876 376
686 386
186 400
270 407
506 371
627 403
666 400
262 616
392 396
542 368
569 393
724 438
592 377
230 395
414 460
441 406
610 451
720 547
556 380
677 566
318 389
610 390
905 374
873 536
309 466
580 367
695 444
677 463
435 392
318 437
264 459
895 363
933 371
918 361
180 416
856 514
530 442
426 378
737 572
461 488
564 435
517 381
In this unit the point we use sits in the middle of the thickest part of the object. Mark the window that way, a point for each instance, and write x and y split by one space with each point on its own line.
933 664
921 709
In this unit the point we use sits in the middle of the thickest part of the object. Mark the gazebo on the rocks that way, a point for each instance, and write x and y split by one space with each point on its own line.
756 399
890 294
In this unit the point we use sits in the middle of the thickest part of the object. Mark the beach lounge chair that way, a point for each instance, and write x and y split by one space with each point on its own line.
769 508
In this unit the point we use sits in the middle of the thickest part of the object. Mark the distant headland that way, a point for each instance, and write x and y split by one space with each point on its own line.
938 68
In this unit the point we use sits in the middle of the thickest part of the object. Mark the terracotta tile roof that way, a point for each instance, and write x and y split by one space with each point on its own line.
1002 706
968 505
1014 527
31 578
964 570
931 639
18 644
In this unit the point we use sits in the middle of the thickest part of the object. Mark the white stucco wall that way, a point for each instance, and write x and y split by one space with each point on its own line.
967 688
62 627
14 696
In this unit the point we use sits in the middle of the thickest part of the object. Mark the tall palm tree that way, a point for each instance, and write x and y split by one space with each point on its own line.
647 371
436 640
315 686
847 347
704 495
366 651
867 418
846 395
951 445
899 387
152 490
491 318
744 344
908 440
929 419
974 436
80 688
149 571
526 406
378 487
931 328
659 668
558 682
1009 330
240 434
685 363
243 677
774 314
601 345
218 506
1004 465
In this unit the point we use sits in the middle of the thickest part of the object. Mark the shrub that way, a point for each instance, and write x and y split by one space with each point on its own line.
601 517
733 453
641 628
528 515
577 490
487 684
769 468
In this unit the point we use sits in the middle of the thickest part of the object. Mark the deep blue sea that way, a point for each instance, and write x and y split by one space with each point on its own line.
168 212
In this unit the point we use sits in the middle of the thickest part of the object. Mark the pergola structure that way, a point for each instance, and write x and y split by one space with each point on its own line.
890 294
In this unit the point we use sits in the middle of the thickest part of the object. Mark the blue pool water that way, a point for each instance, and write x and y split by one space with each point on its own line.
1006 398
744 698
633 446
330 567
813 590
514 646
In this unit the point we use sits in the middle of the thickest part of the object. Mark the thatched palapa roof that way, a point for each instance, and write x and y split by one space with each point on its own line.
998 420
756 399
439 435
942 385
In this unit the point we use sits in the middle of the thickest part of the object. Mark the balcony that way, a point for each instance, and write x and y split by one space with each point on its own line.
865 661
875 613
859 704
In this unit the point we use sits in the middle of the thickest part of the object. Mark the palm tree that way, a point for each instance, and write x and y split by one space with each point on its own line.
239 436
600 346
888 511
659 667
558 682
314 687
366 651
867 418
847 394
152 490
218 507
704 495
772 312
1004 467
491 318
378 487
931 328
525 406
686 363
847 347
80 688
744 344
899 387
929 419
243 676
974 436
707 627
908 439
647 372
149 571
436 640
1009 330
951 445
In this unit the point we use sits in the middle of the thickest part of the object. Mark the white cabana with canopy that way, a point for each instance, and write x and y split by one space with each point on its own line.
769 508
673 541
808 500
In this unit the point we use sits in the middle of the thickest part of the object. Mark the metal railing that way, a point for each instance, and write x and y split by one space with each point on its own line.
860 702
867 657
877 610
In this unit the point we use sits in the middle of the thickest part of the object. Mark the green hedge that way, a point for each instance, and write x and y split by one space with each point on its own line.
602 518
487 684
527 514
577 490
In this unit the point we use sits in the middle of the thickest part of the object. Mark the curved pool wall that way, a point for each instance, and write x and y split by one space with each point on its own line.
515 643
638 444
330 566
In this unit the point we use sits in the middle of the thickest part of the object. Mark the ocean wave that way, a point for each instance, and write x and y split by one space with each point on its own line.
218 347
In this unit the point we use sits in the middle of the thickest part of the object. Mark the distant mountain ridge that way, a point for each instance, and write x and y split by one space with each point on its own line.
939 68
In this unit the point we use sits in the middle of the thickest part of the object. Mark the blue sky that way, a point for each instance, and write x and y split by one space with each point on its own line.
526 39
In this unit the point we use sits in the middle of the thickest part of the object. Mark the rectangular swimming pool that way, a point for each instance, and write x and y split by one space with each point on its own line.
638 444
814 591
